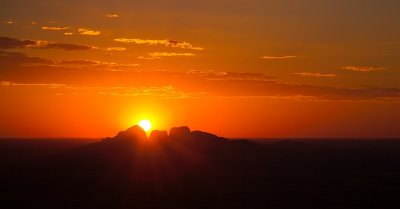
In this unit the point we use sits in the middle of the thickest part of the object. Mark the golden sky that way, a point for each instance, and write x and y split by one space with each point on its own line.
258 68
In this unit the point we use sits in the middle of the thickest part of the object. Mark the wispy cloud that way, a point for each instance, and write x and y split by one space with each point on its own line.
52 45
112 16
166 42
48 85
146 58
97 65
229 76
152 91
229 89
125 91
159 55
311 74
127 80
69 33
9 22
12 43
362 68
20 59
115 49
16 58
54 28
279 57
88 32
78 62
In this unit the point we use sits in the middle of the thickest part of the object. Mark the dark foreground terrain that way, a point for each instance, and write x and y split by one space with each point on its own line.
195 169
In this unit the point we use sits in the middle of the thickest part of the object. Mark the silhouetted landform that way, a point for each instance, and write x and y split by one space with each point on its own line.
195 169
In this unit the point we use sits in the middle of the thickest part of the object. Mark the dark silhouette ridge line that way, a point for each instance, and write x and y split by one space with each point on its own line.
195 169
137 133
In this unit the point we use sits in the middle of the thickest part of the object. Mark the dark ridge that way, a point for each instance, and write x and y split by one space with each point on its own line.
195 169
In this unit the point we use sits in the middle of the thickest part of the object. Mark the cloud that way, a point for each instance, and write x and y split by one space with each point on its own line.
151 91
222 89
279 57
159 55
48 85
97 65
15 58
10 54
52 45
166 42
243 85
54 28
20 59
69 33
146 58
88 32
12 43
115 49
167 91
112 16
310 74
228 76
362 68
78 62
128 80
93 62
9 22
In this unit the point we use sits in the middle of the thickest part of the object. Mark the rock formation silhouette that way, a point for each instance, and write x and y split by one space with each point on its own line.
134 134
158 135
179 132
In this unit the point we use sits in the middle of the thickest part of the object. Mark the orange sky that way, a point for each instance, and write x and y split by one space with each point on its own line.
261 68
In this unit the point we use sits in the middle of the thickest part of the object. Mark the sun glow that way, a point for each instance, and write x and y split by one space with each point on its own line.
145 124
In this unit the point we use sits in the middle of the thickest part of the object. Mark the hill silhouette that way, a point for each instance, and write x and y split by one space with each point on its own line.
195 169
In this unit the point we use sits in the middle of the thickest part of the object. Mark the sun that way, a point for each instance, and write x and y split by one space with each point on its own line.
145 124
